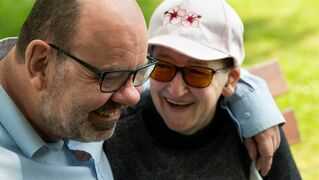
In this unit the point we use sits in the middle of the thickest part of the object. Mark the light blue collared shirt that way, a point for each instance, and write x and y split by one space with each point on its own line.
24 155
252 107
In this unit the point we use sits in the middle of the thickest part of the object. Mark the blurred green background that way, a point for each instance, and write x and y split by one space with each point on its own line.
286 30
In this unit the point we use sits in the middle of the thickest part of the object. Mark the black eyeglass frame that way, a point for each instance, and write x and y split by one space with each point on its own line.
182 71
102 74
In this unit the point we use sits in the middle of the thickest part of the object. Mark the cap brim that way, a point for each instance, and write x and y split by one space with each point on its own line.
188 47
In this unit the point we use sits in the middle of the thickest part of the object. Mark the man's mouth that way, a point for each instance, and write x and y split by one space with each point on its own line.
106 117
107 113
106 120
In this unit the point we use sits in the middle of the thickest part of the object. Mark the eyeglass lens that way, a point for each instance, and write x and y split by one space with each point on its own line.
113 81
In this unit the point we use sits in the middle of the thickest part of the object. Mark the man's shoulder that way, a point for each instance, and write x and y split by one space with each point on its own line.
10 163
10 167
7 44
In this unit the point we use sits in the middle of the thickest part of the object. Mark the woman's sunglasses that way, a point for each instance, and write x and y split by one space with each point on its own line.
194 76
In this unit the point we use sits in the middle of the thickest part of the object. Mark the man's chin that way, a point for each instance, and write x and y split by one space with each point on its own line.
96 136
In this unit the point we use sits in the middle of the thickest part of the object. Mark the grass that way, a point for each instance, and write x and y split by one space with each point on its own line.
12 15
286 30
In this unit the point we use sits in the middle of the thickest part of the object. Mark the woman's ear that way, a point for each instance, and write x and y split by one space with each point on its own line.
230 86
36 60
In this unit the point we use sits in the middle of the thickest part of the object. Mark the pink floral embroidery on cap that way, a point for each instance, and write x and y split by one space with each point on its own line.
174 16
191 19
180 17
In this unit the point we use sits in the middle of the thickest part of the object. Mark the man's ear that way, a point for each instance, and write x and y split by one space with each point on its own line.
37 56
230 86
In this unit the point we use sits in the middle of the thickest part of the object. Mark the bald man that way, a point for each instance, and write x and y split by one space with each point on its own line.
68 77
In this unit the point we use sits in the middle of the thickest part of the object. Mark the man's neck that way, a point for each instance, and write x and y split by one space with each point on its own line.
6 64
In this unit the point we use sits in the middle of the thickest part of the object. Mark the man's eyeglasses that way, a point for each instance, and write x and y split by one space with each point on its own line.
113 80
194 76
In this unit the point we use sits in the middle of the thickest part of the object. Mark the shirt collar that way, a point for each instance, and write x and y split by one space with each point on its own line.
18 126
93 148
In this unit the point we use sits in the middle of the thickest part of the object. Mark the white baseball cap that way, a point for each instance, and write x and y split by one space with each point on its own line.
201 29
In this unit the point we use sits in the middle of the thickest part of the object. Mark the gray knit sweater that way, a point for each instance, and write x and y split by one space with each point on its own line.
143 148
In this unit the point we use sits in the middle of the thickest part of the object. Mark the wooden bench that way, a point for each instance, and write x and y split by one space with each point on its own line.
271 73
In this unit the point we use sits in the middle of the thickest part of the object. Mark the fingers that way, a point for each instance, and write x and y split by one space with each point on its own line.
251 147
266 151
277 137
263 165
262 148
268 142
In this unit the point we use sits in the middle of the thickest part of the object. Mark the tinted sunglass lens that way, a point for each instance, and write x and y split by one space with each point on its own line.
163 72
198 77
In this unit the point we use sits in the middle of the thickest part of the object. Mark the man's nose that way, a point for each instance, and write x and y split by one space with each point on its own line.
128 94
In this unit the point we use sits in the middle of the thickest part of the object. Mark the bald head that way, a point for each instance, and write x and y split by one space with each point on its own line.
112 23
113 14
62 22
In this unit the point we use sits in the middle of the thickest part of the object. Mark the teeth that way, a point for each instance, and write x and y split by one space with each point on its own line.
108 114
177 103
